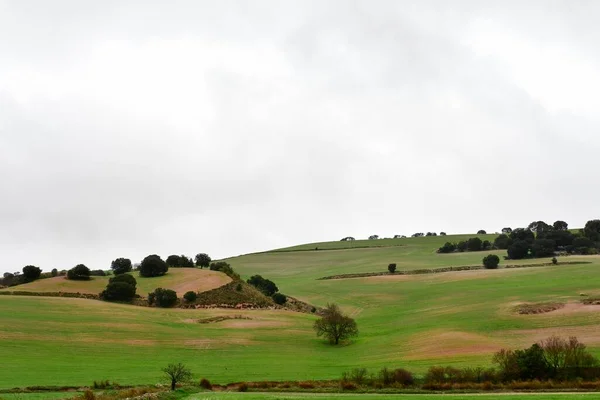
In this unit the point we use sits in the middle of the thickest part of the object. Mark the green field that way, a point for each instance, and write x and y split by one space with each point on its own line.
292 396
37 396
410 321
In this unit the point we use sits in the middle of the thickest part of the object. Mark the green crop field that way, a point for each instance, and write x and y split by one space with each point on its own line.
410 321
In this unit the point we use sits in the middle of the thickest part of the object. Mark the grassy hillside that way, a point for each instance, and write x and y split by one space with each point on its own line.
413 321
179 279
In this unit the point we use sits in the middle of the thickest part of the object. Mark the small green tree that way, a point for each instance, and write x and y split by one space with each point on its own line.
392 268
177 373
54 272
491 261
334 325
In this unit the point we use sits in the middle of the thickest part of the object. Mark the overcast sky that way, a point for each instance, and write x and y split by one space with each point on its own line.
136 127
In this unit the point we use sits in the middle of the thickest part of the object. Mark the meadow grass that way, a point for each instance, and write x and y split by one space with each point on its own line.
454 318
37 396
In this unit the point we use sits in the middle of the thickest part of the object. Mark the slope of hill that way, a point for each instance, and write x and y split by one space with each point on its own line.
410 321
180 280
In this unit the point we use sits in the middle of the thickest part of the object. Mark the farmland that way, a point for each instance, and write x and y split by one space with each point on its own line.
410 321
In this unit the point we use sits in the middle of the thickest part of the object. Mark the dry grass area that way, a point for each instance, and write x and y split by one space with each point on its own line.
180 280
538 308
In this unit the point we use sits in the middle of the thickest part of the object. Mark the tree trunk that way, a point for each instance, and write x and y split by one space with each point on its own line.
173 384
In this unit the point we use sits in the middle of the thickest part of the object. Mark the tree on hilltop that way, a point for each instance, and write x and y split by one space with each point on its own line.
560 225
31 273
121 266
203 260
152 266
79 273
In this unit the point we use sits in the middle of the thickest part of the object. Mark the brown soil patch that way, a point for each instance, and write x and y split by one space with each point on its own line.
538 308
207 281
578 307
448 344
589 334
250 324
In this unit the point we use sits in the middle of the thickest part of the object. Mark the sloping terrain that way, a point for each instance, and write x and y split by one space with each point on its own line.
180 280
411 321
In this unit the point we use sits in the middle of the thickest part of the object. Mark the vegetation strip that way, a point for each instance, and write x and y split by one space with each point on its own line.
444 269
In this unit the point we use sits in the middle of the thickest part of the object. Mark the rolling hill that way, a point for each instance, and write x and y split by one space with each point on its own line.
413 321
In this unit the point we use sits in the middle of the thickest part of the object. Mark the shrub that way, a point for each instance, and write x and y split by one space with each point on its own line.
474 244
152 266
126 278
392 268
266 286
543 248
518 250
79 273
448 247
279 298
403 377
356 375
54 272
225 268
491 261
345 385
97 272
205 384
243 387
554 260
238 287
118 291
190 296
121 266
502 241
163 297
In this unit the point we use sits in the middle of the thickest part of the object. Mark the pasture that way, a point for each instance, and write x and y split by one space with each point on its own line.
409 321
180 280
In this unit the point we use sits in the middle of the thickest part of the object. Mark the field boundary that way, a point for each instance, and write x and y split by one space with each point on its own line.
445 269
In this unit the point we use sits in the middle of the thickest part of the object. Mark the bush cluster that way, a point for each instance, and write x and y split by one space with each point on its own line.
162 297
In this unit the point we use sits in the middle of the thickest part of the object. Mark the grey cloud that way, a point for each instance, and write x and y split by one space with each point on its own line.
129 128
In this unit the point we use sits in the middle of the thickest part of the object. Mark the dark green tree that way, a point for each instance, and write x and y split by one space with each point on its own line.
126 278
592 230
392 268
121 266
54 272
502 241
560 226
518 250
203 260
163 297
79 273
507 230
543 248
279 298
447 248
266 286
190 296
522 234
491 261
481 232
119 290
152 266
31 273
474 244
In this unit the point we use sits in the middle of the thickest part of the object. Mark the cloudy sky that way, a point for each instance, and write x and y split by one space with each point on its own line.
136 127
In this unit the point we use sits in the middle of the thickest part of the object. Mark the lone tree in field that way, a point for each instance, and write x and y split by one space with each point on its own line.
121 266
334 325
491 261
392 268
177 373
153 265
203 260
